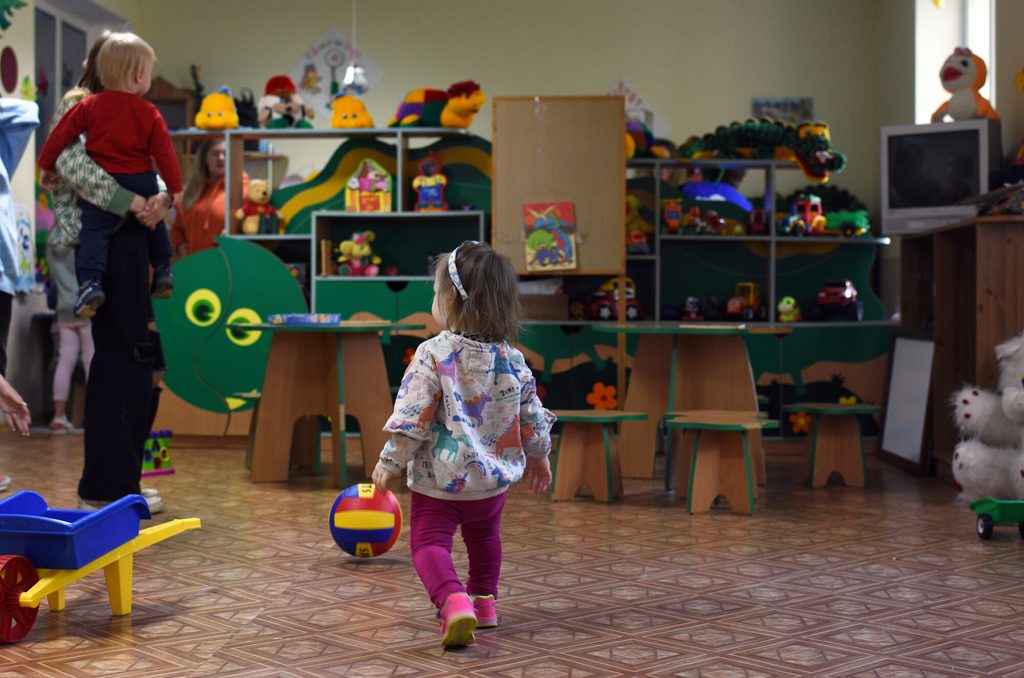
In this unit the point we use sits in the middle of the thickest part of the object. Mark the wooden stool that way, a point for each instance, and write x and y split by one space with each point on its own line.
675 445
586 436
721 464
836 443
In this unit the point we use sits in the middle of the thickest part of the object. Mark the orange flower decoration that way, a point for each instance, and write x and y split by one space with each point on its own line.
409 353
801 422
602 397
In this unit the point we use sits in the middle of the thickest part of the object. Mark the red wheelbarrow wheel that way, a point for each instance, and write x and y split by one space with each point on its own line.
16 576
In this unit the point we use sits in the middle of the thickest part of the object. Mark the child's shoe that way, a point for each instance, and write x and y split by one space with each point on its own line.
486 612
457 621
90 297
61 425
163 282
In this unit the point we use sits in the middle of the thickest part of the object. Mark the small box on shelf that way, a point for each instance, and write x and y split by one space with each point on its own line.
545 306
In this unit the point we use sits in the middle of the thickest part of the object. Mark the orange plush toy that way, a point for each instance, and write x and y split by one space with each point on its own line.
963 75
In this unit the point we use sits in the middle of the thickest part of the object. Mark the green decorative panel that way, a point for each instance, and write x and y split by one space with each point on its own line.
237 282
367 295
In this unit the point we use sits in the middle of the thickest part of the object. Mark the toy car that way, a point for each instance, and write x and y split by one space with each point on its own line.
991 512
604 302
805 217
837 297
849 224
757 222
746 303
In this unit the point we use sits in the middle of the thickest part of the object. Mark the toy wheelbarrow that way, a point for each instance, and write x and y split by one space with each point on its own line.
991 512
67 545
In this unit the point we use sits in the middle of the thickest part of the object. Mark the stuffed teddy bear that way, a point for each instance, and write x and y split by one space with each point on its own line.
356 256
989 462
256 213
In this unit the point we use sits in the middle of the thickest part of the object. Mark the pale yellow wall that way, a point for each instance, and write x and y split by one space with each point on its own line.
697 62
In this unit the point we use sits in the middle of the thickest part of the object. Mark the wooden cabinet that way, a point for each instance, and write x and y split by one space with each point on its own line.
961 285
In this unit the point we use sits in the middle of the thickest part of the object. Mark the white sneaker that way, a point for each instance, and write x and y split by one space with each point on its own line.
5 482
153 498
84 505
61 426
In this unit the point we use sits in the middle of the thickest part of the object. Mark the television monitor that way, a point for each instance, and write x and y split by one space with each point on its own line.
928 171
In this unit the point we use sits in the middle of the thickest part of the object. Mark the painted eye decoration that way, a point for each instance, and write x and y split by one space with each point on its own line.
243 337
203 307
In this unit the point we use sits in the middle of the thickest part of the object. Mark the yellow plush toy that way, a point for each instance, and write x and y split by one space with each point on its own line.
217 111
349 112
963 74
256 213
356 256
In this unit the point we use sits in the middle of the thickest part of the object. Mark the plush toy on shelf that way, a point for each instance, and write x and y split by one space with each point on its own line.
989 461
454 107
257 215
217 111
349 112
789 310
356 257
369 189
281 106
963 75
430 185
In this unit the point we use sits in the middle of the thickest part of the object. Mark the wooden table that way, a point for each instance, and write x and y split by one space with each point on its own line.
322 370
836 442
682 366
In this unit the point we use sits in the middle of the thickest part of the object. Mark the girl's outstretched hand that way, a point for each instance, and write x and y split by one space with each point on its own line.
538 474
381 476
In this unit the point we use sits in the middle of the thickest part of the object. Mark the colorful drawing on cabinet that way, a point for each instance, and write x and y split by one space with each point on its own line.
368 189
237 282
550 235
429 185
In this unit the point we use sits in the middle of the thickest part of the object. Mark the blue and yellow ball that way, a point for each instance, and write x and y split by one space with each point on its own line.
364 521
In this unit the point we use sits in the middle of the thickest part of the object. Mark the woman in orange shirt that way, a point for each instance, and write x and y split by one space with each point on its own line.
201 216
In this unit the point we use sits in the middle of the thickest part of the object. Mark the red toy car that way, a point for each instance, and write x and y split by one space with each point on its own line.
837 297
604 300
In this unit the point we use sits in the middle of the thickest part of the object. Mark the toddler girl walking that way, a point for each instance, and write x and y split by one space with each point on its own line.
467 423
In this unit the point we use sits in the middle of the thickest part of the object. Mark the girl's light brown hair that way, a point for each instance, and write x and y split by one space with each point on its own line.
90 79
200 174
491 308
122 57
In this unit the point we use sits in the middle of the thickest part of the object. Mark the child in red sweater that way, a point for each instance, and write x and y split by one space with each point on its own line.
124 135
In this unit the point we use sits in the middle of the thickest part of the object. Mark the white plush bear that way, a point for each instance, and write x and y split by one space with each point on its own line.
989 462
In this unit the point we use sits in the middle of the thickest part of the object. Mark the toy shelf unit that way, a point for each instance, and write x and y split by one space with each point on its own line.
402 138
266 164
687 270
405 242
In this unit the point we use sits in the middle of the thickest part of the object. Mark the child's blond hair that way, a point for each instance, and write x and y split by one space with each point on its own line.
491 308
122 57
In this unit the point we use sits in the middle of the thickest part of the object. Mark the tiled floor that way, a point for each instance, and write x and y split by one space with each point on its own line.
888 581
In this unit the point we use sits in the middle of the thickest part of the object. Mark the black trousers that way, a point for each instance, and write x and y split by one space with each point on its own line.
120 390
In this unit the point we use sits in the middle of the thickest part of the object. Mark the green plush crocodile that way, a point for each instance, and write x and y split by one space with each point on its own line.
808 144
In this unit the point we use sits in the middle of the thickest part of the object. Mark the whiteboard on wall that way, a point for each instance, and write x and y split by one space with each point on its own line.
906 406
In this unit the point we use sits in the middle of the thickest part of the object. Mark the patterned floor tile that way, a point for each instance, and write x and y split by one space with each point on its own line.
833 581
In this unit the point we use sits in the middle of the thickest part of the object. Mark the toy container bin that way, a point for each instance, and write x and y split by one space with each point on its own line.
62 539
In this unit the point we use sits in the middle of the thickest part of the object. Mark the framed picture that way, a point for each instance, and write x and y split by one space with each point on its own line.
787 109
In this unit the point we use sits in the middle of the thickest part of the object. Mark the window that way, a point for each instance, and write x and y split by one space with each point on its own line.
939 29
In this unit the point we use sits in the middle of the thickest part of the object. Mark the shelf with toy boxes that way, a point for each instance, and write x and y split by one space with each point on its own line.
381 249
715 257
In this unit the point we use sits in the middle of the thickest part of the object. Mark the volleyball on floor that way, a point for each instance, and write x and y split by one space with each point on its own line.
364 521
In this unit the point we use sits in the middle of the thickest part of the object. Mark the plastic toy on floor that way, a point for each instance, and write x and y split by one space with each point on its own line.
963 75
364 521
156 455
66 545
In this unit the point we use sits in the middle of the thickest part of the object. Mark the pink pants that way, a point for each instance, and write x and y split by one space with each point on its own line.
74 337
432 525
